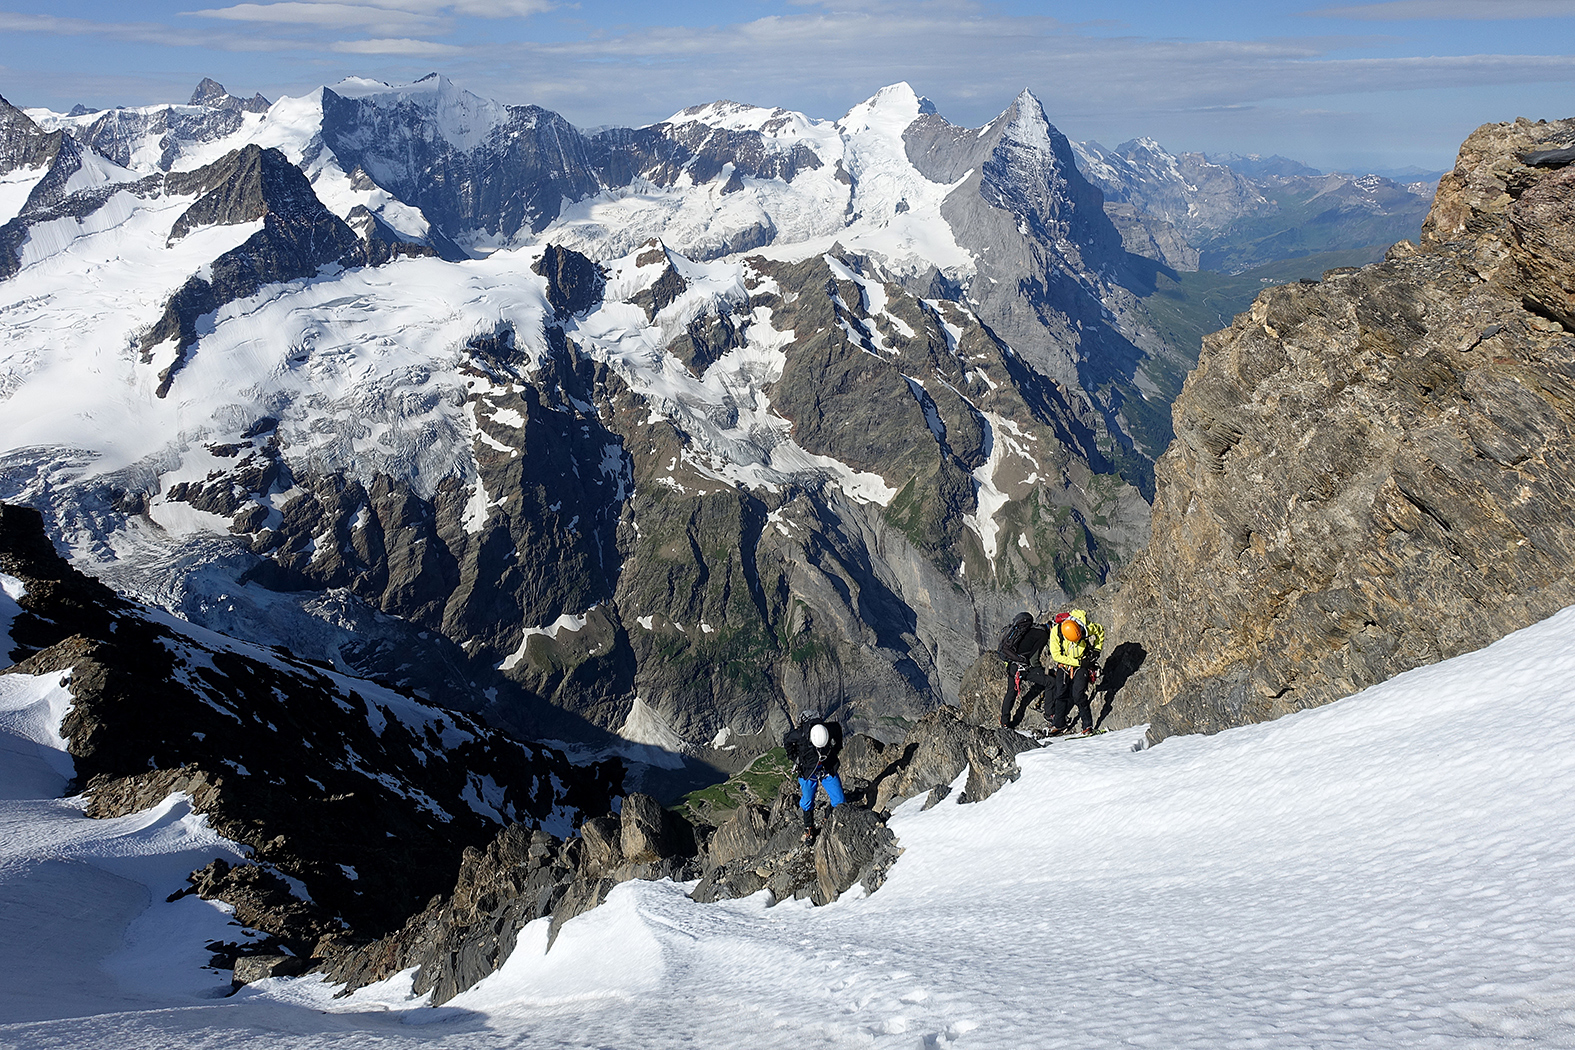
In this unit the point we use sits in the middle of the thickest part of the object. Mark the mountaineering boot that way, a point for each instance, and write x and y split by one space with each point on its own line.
808 837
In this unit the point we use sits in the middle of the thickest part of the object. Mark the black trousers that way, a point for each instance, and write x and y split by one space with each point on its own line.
1066 690
1009 701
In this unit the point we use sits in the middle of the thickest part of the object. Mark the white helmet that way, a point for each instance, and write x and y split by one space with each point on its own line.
819 735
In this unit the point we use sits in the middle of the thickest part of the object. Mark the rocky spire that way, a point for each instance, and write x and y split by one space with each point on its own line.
212 94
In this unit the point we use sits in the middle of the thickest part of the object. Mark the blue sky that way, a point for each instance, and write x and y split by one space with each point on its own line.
1340 85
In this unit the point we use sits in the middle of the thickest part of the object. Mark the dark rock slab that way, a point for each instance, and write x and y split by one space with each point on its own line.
855 849
574 283
249 968
943 745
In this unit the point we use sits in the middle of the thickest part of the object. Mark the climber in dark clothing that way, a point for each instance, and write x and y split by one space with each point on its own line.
1021 646
814 748
1015 677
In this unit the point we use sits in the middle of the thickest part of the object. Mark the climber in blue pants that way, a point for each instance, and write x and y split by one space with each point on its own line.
814 747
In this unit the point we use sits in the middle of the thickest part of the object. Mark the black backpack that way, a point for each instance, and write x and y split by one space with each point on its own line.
1022 639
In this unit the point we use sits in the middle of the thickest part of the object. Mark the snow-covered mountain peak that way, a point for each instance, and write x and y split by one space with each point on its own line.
1029 124
464 119
779 128
894 106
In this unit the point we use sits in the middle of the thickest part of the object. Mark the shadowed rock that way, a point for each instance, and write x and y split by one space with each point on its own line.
574 283
354 789
519 878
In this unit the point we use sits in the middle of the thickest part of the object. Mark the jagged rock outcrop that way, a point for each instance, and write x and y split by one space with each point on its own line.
511 168
23 144
211 93
126 136
520 876
159 136
574 283
58 157
941 747
365 795
1372 472
523 875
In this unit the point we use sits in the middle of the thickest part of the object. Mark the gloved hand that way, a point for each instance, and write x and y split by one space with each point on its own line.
1093 674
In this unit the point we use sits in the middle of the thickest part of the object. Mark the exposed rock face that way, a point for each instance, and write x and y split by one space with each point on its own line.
523 875
520 163
58 157
365 795
120 133
531 160
1055 281
24 144
1371 473
1184 192
941 747
574 283
211 93
813 599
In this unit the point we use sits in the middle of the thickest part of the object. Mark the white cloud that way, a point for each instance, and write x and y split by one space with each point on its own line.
399 46
311 13
375 12
1449 10
502 8
139 32
970 60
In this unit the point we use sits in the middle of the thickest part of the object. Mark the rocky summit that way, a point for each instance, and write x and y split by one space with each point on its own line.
1371 472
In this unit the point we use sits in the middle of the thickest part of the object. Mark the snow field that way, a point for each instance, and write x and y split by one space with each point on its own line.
84 928
11 591
15 186
1391 870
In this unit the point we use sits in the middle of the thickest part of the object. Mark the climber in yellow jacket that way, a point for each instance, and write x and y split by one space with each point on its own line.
1075 644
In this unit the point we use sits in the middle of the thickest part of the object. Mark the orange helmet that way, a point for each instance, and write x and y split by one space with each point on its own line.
1071 630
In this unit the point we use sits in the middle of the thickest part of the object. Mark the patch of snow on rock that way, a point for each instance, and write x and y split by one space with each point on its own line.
656 743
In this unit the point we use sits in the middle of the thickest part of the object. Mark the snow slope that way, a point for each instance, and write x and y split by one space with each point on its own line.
1391 870
80 932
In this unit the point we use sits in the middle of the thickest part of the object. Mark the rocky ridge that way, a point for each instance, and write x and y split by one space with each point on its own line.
1371 472
299 237
524 875
362 795
354 800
